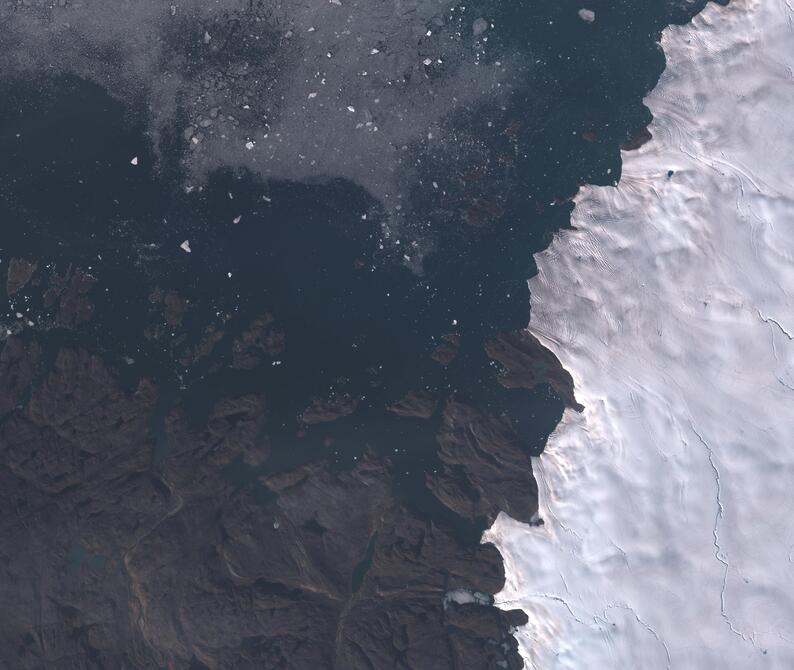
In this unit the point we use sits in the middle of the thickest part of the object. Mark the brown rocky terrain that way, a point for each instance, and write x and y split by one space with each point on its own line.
113 561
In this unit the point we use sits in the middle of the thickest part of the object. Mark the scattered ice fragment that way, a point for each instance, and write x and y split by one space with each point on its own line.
587 15
134 161
185 246
237 218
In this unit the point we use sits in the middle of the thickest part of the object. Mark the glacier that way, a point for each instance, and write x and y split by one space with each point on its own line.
668 535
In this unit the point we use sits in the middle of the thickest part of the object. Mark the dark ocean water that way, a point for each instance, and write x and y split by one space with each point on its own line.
69 195
359 322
